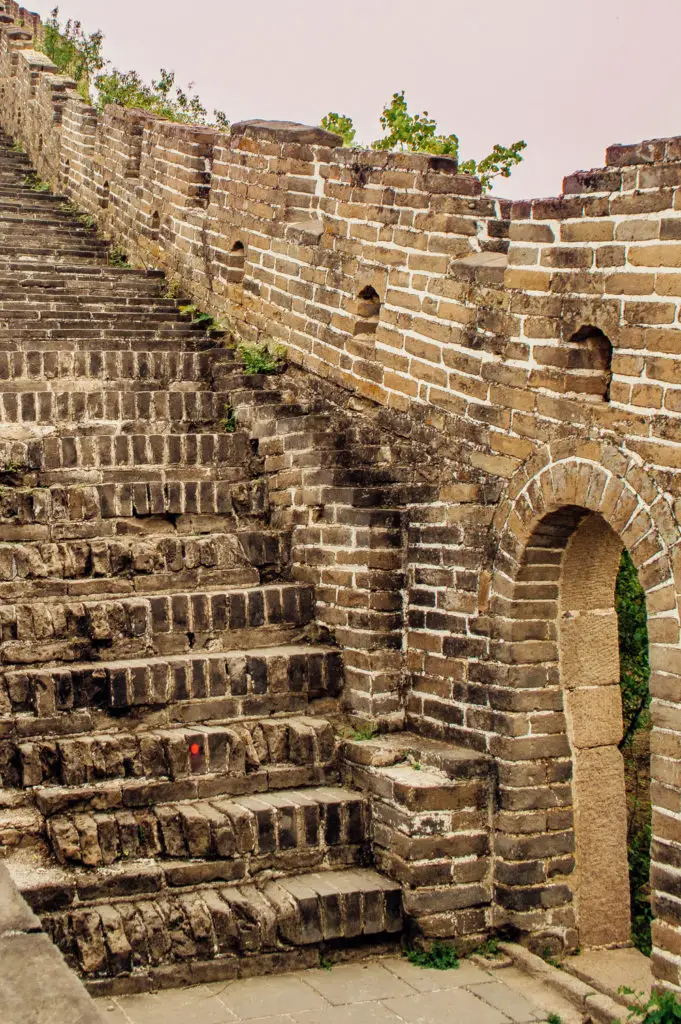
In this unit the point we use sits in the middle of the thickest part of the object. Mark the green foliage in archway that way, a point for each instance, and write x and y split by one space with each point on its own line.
630 603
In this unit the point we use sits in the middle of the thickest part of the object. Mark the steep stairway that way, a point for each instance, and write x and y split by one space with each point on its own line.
170 800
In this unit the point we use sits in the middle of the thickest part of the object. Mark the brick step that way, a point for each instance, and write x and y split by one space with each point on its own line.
105 455
120 318
18 233
34 216
176 762
195 687
47 369
207 451
130 560
78 277
13 159
217 927
56 630
17 300
431 805
106 568
114 407
20 191
82 278
290 829
28 205
75 250
171 329
179 339
85 510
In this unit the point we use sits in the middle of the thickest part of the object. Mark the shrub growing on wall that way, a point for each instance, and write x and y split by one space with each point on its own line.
80 56
418 133
74 52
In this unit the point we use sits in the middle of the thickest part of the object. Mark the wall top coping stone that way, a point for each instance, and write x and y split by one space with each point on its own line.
650 151
36 59
286 131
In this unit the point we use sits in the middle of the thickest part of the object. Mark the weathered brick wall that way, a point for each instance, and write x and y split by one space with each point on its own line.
523 360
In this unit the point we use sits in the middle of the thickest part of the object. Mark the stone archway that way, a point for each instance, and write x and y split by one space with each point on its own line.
560 839
589 677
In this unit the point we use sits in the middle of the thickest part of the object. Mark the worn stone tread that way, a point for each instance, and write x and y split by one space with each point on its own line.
216 922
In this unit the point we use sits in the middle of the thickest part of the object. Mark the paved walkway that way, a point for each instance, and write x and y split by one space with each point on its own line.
386 991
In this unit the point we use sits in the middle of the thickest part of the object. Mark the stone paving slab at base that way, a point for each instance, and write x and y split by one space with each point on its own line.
37 987
386 991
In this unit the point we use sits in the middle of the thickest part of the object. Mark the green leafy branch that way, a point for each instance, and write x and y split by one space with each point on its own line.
76 53
341 124
660 1008
418 133
80 56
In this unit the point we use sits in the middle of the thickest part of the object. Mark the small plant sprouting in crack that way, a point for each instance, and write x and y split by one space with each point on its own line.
118 257
324 962
13 468
172 291
490 949
554 1018
548 958
440 957
364 732
205 321
35 183
228 421
86 219
262 357
18 148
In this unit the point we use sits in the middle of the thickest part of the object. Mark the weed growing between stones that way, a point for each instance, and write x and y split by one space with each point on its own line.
35 183
118 257
660 1008
262 357
228 421
206 321
549 959
86 219
490 948
554 1018
440 957
364 732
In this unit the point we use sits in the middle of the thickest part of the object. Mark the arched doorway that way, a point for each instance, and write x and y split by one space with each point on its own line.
583 553
561 834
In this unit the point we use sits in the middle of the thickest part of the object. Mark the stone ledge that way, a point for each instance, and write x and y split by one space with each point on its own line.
286 131
601 1008
392 748
35 983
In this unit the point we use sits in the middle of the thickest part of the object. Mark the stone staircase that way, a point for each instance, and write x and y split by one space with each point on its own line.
170 801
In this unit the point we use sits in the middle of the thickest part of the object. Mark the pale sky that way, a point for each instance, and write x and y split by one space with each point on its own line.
568 76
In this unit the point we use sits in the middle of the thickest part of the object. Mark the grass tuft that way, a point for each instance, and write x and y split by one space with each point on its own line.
440 957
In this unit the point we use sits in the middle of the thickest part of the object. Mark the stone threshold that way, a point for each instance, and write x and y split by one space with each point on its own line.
598 1002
